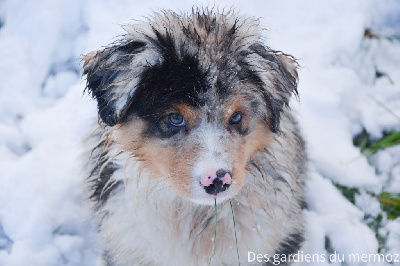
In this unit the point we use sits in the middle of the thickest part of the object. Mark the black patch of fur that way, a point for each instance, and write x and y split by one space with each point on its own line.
249 75
290 245
102 189
100 177
285 84
275 106
278 65
177 80
107 258
103 73
303 204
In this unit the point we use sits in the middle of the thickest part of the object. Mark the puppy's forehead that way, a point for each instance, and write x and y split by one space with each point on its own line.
201 62
185 81
201 59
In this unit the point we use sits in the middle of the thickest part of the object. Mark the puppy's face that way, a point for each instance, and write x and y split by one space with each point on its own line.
202 150
193 102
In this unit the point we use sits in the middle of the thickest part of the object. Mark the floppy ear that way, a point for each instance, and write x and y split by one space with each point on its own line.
112 77
278 73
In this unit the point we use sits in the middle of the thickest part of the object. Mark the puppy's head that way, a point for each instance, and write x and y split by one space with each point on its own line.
193 97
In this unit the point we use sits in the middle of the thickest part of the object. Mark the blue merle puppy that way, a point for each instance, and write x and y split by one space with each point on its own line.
193 113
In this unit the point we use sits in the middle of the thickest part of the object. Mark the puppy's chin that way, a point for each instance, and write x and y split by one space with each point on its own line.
202 198
210 200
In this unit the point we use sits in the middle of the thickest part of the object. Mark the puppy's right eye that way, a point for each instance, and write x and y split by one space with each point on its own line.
176 120
236 118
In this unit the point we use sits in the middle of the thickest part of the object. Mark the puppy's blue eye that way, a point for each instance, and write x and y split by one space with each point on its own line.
236 118
176 120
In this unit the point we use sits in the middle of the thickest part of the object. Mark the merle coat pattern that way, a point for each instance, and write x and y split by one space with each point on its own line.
210 70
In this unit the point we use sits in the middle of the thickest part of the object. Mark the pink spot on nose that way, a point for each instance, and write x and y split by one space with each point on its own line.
227 179
207 179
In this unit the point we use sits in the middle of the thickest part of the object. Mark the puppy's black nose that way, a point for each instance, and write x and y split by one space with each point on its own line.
216 182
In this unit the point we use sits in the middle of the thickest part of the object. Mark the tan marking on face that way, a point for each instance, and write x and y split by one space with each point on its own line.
173 163
128 135
189 113
232 106
237 106
161 158
255 142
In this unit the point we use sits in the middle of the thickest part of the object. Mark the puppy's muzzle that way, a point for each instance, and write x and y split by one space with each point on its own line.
216 182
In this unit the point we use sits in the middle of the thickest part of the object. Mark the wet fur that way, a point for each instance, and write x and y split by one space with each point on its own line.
203 65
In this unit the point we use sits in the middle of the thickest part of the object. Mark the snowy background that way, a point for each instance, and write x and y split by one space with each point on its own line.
349 52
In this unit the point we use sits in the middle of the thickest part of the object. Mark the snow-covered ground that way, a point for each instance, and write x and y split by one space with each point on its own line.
44 115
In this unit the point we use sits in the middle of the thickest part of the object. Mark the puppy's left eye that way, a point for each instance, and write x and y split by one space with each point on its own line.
236 118
176 120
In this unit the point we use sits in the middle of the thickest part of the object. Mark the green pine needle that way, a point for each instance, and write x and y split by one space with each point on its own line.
369 147
386 142
390 203
234 227
215 234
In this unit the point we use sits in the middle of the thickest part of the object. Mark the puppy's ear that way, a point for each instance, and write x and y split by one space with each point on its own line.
112 76
278 73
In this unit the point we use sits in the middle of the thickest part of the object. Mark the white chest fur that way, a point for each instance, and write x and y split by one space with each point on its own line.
146 222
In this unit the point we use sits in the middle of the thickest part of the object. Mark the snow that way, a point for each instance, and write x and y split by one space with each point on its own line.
44 115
